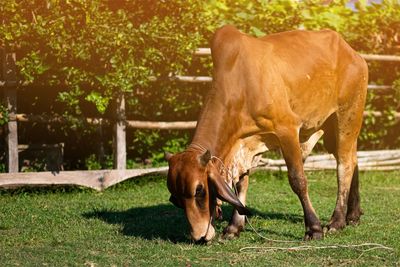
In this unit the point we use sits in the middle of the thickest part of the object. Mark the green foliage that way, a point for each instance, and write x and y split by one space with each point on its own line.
97 48
92 163
3 115
335 16
151 145
91 51
174 145
2 167
375 28
255 17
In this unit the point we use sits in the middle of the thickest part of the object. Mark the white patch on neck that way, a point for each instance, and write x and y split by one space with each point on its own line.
245 155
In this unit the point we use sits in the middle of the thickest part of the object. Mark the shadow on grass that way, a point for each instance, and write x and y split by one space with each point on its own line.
267 216
153 222
293 218
166 222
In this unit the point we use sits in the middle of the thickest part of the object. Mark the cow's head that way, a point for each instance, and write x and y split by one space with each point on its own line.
195 183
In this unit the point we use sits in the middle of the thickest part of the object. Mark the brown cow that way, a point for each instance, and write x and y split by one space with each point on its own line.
280 91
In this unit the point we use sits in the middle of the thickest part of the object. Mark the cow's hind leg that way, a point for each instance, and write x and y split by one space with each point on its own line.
237 222
346 166
347 125
348 200
330 142
290 145
354 211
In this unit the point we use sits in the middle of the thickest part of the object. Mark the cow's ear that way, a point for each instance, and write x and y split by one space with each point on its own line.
224 192
205 158
167 156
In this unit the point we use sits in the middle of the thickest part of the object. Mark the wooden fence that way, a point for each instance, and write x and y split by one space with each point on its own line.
378 160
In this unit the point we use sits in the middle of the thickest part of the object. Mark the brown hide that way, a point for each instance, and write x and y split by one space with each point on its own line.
278 91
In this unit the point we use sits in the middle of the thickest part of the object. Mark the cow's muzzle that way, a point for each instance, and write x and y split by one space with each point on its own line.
206 238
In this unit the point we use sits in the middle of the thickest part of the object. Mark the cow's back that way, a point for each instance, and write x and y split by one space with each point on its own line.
296 69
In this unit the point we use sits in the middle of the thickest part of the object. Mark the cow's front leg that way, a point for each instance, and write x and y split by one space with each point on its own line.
218 210
236 224
290 146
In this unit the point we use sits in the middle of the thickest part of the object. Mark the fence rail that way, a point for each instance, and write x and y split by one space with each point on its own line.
98 180
104 178
205 51
382 160
378 160
155 125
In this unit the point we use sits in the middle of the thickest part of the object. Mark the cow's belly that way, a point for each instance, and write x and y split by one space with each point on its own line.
313 123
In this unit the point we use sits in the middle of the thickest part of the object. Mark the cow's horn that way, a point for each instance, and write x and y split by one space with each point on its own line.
224 192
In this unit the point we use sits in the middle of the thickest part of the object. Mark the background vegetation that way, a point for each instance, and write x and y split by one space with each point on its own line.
77 56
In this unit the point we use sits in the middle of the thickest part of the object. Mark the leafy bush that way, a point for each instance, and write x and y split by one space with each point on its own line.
91 51
3 115
98 49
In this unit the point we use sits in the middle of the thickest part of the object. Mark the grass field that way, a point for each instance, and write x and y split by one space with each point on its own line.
133 224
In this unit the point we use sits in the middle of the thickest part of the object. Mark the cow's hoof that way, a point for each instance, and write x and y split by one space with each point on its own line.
231 232
313 235
353 221
330 230
229 236
353 218
335 226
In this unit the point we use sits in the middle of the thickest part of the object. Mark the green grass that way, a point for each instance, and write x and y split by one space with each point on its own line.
133 224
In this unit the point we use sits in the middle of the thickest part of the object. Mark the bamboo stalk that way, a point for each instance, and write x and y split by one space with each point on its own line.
379 87
380 57
176 125
192 79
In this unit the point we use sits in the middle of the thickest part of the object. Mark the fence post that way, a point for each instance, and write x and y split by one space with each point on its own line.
100 150
10 94
119 136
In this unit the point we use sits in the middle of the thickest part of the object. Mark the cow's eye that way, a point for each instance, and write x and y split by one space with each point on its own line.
200 192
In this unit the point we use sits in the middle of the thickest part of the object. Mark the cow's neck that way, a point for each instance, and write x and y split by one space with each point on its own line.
217 129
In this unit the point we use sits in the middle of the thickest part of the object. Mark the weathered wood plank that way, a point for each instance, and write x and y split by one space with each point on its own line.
382 160
98 180
367 160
